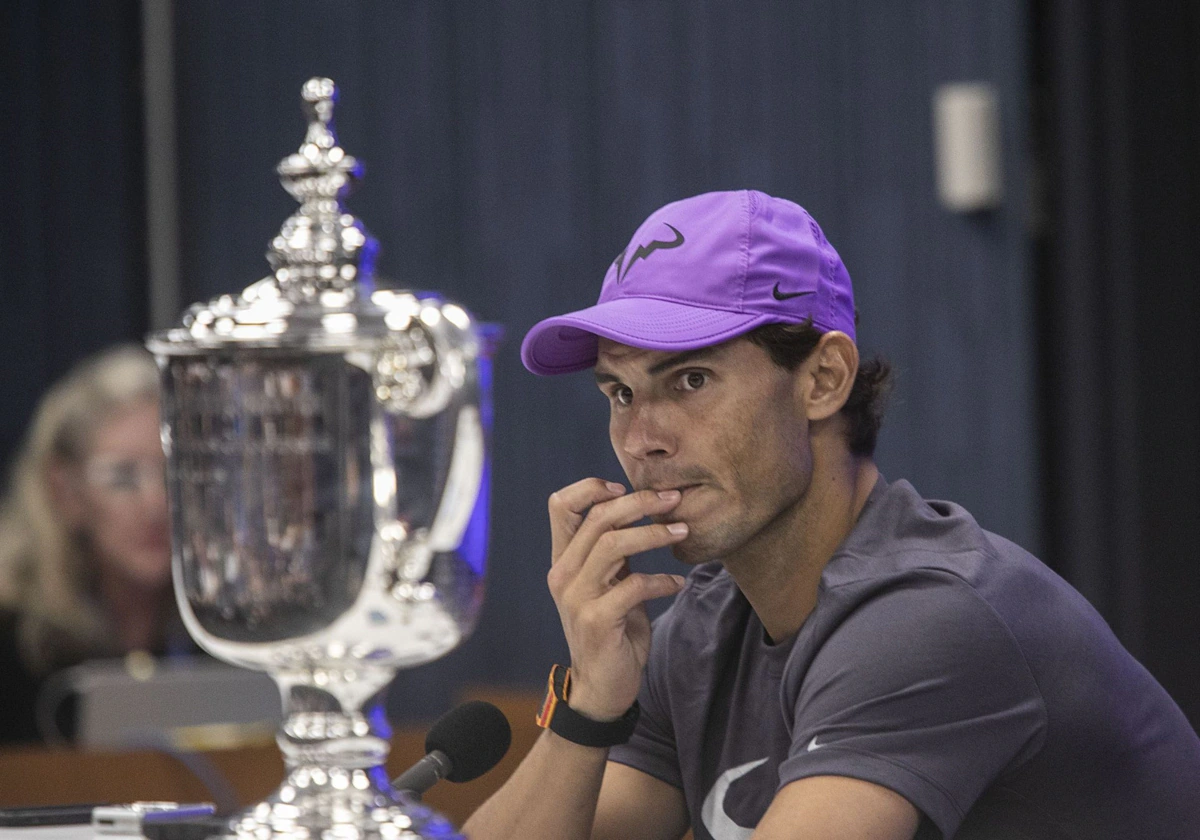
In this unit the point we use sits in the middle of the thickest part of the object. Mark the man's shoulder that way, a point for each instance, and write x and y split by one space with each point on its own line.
900 534
934 560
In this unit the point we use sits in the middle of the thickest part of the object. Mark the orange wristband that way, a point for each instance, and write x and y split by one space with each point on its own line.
565 722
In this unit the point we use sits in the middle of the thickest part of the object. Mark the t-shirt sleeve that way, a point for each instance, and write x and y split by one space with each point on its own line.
921 689
651 748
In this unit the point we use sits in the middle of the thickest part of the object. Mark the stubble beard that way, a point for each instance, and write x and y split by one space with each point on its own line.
738 537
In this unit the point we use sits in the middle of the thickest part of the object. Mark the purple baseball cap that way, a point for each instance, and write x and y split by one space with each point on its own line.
701 271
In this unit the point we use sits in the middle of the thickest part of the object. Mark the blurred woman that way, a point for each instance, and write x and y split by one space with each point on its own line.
85 566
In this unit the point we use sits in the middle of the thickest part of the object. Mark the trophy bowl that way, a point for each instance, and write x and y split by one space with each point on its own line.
327 473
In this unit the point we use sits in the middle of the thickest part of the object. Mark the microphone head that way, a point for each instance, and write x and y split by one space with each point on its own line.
474 736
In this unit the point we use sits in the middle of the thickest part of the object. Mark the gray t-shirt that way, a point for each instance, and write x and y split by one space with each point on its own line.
942 662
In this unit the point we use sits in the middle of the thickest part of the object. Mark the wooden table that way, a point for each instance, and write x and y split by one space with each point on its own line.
50 776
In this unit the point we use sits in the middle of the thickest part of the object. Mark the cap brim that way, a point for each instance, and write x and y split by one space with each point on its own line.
567 343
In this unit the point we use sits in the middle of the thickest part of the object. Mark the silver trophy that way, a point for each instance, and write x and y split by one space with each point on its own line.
327 457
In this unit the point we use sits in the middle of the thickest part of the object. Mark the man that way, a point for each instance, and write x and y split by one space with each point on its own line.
846 659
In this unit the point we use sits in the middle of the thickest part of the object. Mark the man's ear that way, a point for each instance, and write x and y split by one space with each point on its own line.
63 479
831 371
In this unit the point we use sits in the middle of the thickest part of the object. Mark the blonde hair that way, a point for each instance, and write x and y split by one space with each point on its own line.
46 578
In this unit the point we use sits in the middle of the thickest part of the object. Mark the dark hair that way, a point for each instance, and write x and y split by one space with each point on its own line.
790 344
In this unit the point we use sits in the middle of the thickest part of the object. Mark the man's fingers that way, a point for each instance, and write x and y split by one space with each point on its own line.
633 590
611 515
569 505
607 558
579 582
600 617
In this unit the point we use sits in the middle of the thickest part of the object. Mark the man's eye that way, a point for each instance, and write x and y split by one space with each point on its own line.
693 380
623 395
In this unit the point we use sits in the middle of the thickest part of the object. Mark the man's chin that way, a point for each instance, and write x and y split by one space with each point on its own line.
692 552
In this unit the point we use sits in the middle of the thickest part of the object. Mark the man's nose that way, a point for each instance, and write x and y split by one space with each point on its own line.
649 433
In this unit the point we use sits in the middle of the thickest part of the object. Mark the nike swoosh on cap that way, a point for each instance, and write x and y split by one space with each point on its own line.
778 295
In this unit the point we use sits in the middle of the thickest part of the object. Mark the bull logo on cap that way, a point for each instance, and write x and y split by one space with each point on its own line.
644 251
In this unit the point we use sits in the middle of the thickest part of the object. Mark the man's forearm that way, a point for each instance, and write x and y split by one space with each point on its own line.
551 796
593 527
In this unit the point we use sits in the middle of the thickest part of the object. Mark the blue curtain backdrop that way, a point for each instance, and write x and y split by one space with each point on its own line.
512 147
72 212
511 150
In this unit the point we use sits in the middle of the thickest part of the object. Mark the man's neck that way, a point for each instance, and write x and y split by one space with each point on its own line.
780 570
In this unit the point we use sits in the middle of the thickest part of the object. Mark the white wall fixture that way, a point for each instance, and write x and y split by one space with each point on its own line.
966 129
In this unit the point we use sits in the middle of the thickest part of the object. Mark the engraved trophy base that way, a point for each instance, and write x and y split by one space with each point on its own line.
337 785
316 803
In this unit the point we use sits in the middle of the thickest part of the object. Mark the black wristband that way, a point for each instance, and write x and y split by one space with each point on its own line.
567 723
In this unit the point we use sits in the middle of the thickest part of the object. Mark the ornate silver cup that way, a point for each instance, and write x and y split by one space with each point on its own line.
327 452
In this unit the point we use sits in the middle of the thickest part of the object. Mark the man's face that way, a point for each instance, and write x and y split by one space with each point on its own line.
724 425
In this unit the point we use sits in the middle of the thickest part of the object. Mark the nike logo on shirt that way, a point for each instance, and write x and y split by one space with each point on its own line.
712 813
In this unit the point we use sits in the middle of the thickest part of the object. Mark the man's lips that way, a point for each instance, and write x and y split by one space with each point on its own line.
682 488
674 514
678 480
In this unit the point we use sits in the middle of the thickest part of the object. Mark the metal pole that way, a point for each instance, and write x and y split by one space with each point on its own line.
162 195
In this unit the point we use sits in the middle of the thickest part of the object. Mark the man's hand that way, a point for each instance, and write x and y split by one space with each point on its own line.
601 603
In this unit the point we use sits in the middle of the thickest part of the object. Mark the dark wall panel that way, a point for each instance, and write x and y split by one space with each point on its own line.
72 262
1120 85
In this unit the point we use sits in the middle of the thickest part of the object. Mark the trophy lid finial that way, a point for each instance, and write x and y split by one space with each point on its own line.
321 247
320 295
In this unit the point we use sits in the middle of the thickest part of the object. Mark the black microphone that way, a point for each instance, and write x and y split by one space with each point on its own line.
465 743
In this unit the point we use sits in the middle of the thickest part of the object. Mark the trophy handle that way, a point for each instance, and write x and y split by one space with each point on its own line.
424 363
434 362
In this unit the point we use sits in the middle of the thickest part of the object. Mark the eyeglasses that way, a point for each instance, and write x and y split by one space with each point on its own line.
125 476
